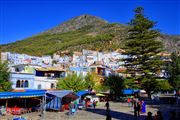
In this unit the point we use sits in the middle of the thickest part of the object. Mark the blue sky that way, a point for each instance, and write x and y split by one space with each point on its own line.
20 19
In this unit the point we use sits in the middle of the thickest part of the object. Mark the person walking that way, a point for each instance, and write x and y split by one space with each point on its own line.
94 104
107 105
135 107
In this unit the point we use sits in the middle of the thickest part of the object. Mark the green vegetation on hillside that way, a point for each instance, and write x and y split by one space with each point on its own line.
84 38
82 32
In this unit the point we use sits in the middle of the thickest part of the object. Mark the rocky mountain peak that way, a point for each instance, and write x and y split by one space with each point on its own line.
77 23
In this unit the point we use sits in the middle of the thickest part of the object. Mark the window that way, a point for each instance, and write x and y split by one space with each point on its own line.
22 84
18 84
26 84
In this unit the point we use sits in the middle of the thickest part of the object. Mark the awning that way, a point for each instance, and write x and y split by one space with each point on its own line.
83 92
56 96
100 95
25 94
59 93
128 91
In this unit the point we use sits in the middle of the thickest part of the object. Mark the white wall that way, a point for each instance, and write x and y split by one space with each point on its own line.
44 82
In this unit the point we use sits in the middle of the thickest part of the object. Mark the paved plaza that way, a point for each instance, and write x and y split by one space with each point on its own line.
119 111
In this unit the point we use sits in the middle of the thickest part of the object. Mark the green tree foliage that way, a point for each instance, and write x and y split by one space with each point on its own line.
142 49
90 79
72 82
93 81
173 69
129 83
164 85
5 84
115 83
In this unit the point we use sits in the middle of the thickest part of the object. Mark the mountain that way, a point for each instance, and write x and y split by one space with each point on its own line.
82 32
171 43
77 23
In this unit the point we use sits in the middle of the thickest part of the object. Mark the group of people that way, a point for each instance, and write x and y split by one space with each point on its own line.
159 116
137 105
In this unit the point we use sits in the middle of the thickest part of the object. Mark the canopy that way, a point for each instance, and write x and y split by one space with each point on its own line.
68 98
24 94
82 92
55 102
128 91
59 93
136 91
100 95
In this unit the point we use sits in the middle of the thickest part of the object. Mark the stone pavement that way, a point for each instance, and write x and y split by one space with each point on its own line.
119 111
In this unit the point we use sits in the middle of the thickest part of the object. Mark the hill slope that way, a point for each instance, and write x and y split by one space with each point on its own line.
82 32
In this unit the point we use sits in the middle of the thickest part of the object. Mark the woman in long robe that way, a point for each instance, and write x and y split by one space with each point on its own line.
143 105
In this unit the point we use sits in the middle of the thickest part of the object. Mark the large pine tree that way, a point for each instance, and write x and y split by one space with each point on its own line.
142 48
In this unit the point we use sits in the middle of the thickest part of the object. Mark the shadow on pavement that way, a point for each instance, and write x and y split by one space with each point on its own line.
116 114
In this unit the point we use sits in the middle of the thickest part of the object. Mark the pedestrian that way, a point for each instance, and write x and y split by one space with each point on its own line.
84 103
158 116
143 106
107 105
149 116
94 104
75 105
137 108
70 108
129 102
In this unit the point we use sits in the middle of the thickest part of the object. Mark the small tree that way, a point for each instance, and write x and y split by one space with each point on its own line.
72 82
90 79
5 84
115 83
93 81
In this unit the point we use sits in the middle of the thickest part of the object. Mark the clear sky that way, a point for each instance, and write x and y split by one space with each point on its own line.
20 19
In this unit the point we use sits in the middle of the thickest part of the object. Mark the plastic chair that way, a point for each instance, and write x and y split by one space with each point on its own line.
9 110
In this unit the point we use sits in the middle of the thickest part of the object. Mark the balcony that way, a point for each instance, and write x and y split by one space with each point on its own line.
48 79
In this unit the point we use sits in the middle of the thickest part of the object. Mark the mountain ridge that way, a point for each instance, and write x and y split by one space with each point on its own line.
81 32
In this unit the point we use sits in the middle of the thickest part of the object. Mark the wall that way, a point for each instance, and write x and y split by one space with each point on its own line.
14 77
45 82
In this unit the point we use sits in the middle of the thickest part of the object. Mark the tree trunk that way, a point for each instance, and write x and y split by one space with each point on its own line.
149 94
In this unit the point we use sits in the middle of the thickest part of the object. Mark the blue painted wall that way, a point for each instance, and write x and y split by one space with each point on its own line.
14 77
